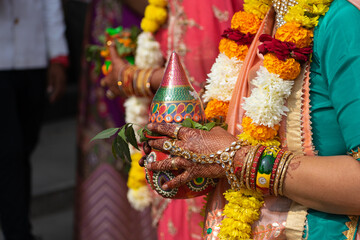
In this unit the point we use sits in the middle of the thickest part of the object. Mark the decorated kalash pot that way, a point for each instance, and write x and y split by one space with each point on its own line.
173 102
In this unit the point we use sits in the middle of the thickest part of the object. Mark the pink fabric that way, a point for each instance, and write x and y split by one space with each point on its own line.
193 31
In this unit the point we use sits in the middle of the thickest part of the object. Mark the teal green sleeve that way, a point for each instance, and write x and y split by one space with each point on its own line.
340 58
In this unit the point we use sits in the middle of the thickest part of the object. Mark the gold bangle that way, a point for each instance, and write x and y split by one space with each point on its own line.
248 166
283 173
144 82
139 82
149 92
247 157
278 171
134 80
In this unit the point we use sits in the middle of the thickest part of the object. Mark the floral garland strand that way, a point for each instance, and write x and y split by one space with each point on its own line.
233 48
243 206
283 56
265 107
148 55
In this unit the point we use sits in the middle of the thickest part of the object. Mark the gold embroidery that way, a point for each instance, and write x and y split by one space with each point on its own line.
171 228
354 154
222 16
352 224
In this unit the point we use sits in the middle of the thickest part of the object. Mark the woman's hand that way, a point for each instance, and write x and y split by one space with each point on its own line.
111 80
194 140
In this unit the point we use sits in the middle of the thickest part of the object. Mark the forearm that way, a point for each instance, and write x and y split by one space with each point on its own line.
328 184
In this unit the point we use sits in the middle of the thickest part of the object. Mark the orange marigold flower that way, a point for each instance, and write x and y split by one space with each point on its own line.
245 22
259 132
288 70
232 49
293 32
216 109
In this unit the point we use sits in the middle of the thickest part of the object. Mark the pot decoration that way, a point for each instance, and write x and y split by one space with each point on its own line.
173 102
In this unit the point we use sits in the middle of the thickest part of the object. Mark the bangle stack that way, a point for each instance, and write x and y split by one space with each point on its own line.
134 81
264 169
223 157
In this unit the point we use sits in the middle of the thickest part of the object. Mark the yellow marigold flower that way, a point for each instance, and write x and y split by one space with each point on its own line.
297 14
245 22
252 141
232 49
241 211
288 70
293 32
257 7
158 3
148 25
259 132
136 175
216 109
156 14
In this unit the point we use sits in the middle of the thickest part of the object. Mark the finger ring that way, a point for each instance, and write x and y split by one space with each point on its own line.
173 166
176 131
109 94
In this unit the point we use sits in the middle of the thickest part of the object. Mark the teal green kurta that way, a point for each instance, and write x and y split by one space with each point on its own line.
335 99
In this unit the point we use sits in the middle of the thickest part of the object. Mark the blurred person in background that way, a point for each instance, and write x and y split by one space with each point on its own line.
102 209
33 63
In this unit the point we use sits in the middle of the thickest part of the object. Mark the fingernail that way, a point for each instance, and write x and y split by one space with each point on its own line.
165 186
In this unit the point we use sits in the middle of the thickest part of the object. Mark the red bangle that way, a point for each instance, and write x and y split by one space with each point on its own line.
274 169
63 60
255 166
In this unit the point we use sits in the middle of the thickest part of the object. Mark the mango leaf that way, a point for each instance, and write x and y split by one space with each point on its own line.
130 136
115 149
122 133
107 133
123 147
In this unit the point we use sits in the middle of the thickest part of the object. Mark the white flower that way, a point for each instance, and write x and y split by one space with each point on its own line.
148 53
136 111
222 78
265 105
140 198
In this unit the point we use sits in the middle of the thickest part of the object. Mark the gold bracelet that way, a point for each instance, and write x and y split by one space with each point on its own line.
134 81
149 92
278 171
144 81
283 173
248 166
222 157
140 82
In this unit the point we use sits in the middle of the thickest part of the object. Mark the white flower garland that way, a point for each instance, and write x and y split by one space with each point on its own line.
222 78
265 106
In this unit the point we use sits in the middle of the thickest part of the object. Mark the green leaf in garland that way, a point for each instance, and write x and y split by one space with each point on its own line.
107 133
115 150
130 136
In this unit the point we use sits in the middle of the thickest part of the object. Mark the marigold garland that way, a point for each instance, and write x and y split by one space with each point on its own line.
136 177
155 15
216 109
259 132
252 141
293 32
245 22
242 209
288 70
232 49
300 20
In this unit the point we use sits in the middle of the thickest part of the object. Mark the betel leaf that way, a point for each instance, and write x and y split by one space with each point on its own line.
130 136
210 125
107 133
187 123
